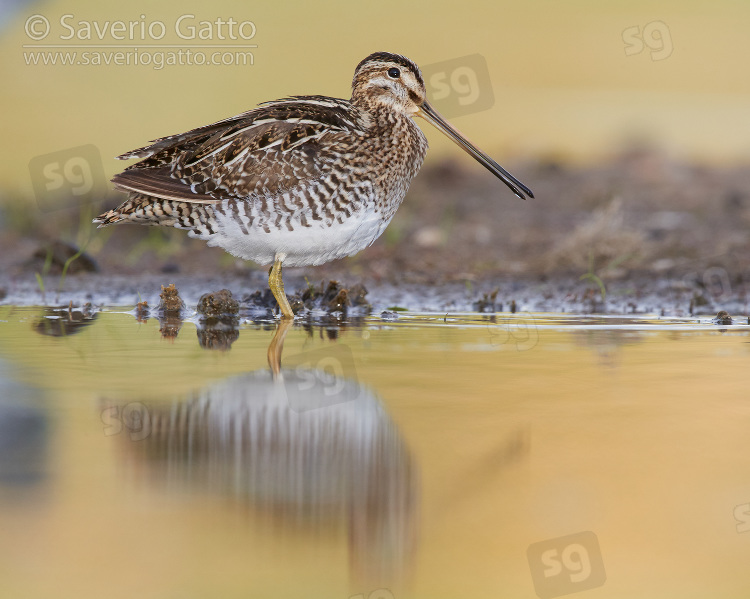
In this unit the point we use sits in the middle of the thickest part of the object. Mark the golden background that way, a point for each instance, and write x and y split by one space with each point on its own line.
564 87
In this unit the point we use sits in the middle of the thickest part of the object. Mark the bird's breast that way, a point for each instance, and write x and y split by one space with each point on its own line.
392 156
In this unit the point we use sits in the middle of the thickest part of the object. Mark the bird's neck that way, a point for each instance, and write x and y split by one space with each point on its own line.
379 117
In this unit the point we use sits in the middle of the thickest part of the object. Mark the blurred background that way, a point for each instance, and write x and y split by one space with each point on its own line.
628 120
625 118
563 81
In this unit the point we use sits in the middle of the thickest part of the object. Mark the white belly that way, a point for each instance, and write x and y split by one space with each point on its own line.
302 246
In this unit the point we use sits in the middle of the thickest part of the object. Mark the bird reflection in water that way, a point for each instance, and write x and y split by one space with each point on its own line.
305 447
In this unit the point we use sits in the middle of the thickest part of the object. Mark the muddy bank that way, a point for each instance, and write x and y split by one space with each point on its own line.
641 233
654 296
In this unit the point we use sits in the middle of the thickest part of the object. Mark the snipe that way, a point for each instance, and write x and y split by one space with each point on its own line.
298 181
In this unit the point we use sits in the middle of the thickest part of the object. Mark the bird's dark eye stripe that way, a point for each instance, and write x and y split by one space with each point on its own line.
394 73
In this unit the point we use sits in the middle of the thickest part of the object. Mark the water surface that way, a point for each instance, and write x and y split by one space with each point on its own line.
434 456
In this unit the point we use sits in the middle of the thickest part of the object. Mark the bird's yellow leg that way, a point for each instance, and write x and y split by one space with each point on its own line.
277 288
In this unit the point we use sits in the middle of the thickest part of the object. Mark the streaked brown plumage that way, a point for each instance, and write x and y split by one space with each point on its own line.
297 181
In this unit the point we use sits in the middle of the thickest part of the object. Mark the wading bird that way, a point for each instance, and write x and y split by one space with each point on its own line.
298 181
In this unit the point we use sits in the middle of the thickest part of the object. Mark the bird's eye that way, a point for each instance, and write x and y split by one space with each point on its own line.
394 73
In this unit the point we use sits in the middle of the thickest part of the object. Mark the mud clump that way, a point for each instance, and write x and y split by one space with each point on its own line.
219 322
261 303
333 297
216 304
170 303
169 312
329 298
723 318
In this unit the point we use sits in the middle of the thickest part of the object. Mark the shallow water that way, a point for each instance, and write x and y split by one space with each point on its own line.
430 456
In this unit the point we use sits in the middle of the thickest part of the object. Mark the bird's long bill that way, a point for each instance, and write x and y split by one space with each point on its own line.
428 113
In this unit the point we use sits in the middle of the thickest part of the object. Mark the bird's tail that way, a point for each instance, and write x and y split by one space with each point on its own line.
111 217
141 209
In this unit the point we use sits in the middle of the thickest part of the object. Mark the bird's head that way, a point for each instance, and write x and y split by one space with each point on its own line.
394 82
391 80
